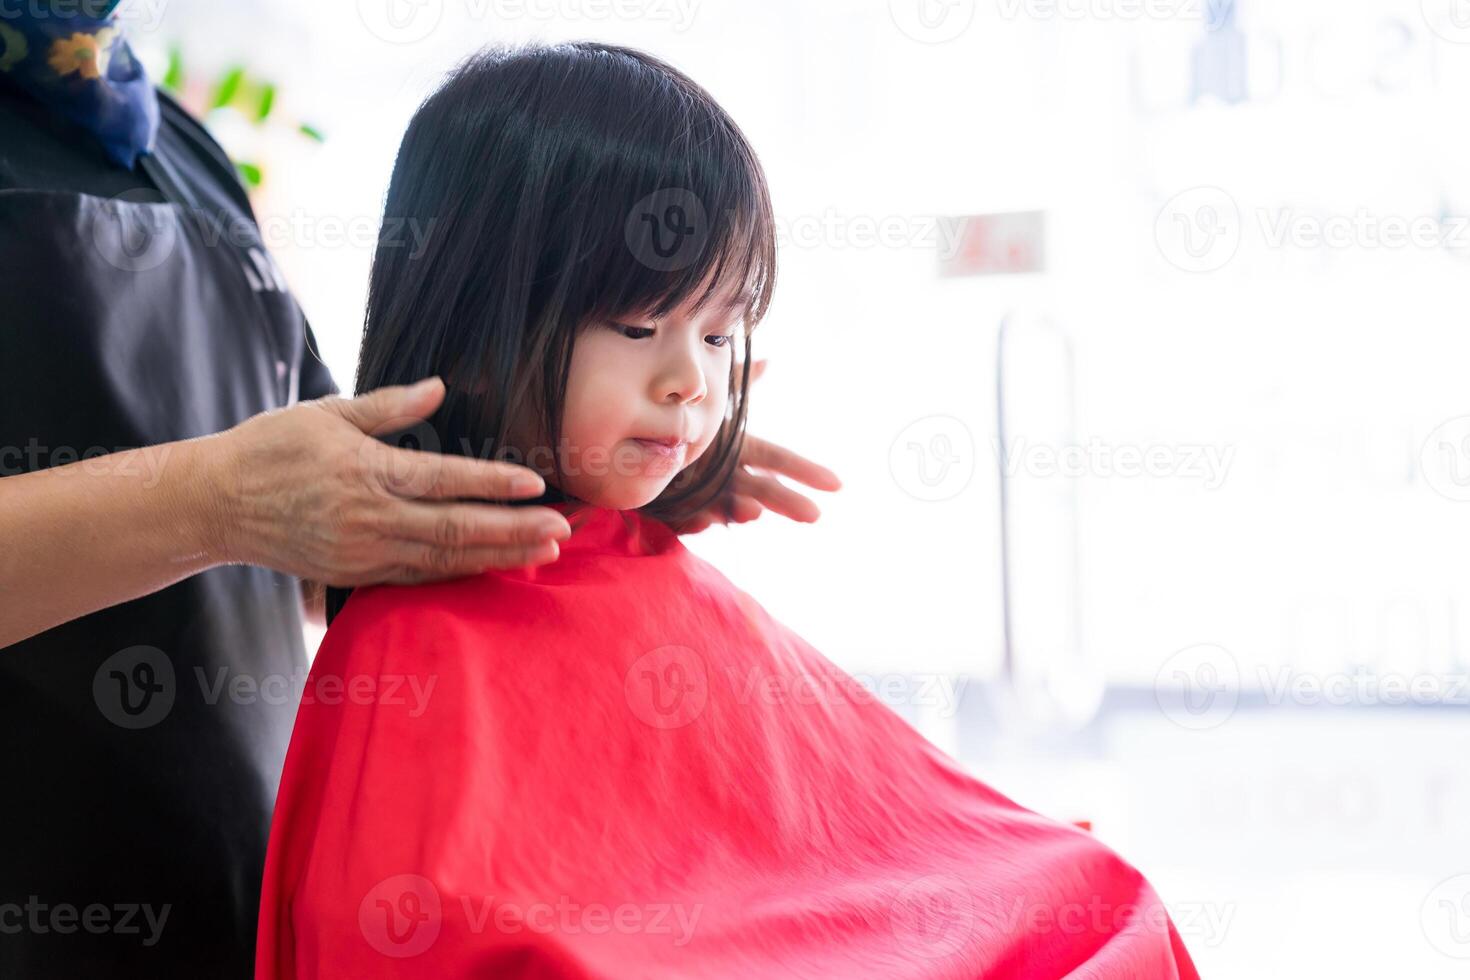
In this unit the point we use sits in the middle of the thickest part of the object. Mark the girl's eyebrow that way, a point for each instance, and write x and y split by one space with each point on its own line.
738 302
735 304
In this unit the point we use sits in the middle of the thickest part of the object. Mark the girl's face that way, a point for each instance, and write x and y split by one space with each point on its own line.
644 400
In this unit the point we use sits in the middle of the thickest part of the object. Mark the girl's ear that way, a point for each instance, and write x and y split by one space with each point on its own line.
756 370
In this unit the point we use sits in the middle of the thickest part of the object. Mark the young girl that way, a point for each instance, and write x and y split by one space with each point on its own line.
617 764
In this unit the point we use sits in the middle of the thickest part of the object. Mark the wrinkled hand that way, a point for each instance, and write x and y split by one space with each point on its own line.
756 489
307 490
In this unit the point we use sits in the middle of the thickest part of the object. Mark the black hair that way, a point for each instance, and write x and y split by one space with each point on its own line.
556 185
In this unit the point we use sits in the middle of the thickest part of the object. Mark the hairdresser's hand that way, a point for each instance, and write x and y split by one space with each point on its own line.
309 491
756 489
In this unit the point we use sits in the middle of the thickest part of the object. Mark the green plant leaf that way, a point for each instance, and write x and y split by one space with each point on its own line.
173 79
224 93
312 132
266 103
249 173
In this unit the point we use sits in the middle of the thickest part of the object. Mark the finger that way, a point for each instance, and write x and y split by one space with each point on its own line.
743 508
415 562
772 493
390 408
467 526
422 474
769 456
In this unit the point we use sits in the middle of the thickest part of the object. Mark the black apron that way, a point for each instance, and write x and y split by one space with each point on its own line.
141 746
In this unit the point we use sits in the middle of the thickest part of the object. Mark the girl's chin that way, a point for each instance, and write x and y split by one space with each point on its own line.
625 493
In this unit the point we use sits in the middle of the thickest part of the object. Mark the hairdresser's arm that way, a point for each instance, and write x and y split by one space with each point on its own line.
302 490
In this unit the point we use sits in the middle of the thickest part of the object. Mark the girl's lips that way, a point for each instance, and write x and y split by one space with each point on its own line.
658 448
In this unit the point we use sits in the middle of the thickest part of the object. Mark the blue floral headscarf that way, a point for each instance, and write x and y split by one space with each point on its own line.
73 58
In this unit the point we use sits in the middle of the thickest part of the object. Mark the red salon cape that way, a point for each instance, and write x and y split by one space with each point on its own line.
619 765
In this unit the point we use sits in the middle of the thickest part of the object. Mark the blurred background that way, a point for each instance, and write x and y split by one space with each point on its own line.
1136 331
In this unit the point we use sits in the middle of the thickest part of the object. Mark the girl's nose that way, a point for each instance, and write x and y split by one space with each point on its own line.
681 381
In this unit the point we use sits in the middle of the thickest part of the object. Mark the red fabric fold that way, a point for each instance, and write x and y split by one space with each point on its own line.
618 765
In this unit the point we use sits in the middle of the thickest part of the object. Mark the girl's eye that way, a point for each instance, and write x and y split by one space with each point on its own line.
643 333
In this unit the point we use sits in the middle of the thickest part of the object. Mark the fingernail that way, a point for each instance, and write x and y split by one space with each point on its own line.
528 484
425 384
